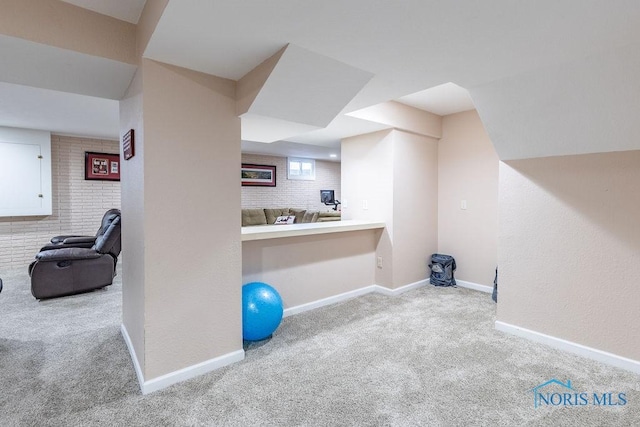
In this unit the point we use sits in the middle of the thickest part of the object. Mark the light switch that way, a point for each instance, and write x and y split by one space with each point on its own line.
463 205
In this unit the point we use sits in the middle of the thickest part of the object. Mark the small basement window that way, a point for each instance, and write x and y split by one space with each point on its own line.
301 169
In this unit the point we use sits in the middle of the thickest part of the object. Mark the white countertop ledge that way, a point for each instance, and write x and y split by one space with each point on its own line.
262 232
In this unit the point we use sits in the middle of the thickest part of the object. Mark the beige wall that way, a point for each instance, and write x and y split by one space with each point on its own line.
367 179
250 84
309 268
569 250
291 193
403 117
149 18
468 170
415 206
392 176
133 213
78 205
190 248
66 26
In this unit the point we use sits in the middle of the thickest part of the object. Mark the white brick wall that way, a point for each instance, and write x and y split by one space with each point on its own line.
291 193
78 205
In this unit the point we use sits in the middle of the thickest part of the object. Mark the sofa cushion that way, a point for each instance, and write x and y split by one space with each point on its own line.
253 217
273 214
298 213
329 216
310 216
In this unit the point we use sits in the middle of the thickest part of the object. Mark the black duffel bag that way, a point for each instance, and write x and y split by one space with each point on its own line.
442 268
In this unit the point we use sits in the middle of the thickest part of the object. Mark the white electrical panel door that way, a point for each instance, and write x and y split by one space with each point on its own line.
21 189
25 176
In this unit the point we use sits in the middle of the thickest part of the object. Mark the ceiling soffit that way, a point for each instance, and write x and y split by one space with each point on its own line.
302 91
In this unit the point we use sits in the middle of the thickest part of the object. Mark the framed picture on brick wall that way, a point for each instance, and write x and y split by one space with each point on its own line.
258 175
101 166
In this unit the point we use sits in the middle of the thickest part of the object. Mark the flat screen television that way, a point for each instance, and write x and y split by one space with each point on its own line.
327 197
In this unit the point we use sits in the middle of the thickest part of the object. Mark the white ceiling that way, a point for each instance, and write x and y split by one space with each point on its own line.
486 47
292 149
124 10
526 64
49 67
445 99
58 112
302 88
409 46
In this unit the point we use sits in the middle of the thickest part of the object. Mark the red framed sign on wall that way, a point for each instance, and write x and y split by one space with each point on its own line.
101 166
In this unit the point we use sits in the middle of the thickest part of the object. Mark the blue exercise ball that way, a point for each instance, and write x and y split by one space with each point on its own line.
261 311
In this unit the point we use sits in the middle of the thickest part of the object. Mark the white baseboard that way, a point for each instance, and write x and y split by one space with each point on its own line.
182 374
328 301
192 371
132 353
210 365
402 289
352 294
474 286
571 347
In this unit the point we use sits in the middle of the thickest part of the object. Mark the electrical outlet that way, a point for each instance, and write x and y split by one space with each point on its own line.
379 262
365 205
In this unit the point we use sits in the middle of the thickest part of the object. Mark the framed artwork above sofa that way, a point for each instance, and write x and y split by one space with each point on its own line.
258 175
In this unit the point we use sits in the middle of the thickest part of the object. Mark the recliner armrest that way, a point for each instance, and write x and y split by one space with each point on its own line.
67 254
79 239
80 242
60 239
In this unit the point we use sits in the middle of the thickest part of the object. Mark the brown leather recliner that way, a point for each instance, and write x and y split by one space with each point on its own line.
70 270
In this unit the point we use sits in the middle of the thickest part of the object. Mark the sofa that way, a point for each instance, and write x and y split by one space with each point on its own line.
260 216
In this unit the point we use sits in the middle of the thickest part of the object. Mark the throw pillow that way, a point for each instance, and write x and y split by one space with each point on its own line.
253 217
272 214
287 219
299 214
309 216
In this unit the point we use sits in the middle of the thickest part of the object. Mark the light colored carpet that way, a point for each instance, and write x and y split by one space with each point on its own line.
428 357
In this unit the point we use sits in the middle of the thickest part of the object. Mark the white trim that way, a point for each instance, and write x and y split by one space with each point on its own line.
353 294
571 347
182 374
474 286
402 289
132 353
210 365
192 371
328 301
